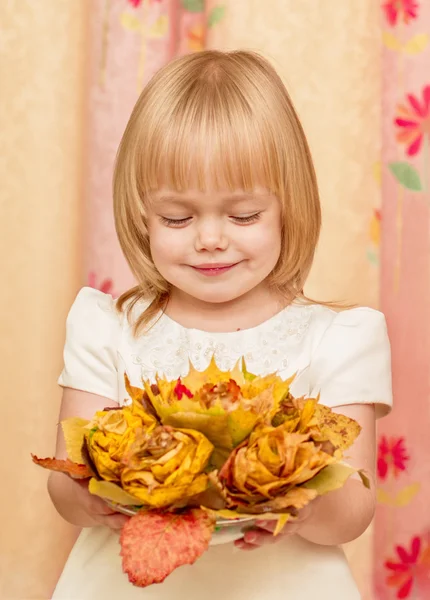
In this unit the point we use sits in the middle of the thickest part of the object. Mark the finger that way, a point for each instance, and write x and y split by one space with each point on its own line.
101 508
270 526
242 545
115 521
258 537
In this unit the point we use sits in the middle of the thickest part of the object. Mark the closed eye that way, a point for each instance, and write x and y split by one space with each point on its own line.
175 222
247 219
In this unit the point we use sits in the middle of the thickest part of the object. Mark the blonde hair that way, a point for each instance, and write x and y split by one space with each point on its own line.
224 117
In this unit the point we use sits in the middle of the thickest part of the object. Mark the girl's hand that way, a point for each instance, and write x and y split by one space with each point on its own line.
98 510
75 504
262 532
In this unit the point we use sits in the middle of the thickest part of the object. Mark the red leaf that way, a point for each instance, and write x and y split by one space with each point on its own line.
181 389
155 543
75 470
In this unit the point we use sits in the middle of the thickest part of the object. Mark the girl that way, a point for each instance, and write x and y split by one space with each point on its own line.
217 212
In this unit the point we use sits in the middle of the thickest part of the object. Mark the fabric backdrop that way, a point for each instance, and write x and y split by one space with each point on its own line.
70 73
402 535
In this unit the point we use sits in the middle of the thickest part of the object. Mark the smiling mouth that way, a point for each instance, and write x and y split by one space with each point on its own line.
214 269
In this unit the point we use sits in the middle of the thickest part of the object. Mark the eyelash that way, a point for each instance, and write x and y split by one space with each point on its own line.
179 222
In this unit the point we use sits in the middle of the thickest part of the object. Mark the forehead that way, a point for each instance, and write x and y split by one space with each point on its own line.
210 197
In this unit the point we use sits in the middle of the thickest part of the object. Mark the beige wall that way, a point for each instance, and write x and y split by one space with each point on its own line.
41 66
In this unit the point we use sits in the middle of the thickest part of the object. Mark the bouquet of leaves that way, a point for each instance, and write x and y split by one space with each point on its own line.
187 457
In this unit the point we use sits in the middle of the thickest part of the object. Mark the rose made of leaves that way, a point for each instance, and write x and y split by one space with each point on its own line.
110 434
264 474
164 467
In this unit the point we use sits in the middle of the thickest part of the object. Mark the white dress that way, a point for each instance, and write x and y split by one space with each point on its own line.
344 356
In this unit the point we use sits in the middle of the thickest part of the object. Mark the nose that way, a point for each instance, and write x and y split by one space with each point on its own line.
210 236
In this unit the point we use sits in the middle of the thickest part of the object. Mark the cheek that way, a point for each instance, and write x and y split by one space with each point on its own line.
166 245
264 243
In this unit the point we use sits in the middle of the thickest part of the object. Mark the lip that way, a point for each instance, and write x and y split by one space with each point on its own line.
212 269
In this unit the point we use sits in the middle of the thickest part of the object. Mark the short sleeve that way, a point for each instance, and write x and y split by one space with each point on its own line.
93 331
352 362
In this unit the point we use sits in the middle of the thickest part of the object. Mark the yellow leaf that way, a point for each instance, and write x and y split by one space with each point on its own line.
130 22
110 491
160 27
391 42
337 428
364 478
74 432
383 497
406 495
282 521
416 44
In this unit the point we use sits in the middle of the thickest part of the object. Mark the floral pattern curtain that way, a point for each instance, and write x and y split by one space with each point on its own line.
402 527
130 40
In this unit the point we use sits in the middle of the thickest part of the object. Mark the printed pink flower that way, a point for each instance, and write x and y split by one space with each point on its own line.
137 3
391 455
400 9
414 121
106 286
411 568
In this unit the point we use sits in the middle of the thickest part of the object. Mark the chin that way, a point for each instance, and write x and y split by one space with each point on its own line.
212 297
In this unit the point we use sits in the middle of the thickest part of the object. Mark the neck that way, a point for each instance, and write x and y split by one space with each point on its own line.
244 312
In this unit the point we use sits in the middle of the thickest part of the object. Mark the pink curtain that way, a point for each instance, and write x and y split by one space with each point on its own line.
402 527
130 40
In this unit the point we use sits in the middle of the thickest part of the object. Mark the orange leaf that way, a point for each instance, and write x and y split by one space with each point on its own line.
75 470
155 543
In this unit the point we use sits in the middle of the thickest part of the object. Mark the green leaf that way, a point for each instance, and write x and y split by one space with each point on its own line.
248 376
194 6
406 175
216 15
330 478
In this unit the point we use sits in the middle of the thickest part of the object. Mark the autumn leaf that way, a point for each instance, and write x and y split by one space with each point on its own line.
223 405
75 470
155 543
74 435
330 478
113 492
336 428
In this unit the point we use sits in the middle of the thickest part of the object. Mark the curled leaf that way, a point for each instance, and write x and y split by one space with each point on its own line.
166 466
75 470
155 543
113 492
